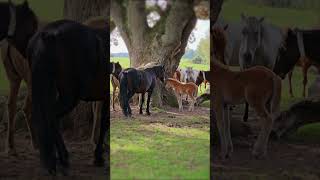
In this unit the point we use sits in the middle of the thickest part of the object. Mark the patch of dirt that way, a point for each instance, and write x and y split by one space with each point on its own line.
285 159
169 116
27 164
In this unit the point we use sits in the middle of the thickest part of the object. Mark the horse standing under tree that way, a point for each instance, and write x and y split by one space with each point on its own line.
190 89
67 68
115 72
17 25
258 86
138 81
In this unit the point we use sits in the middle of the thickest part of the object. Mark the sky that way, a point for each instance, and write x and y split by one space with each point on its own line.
200 31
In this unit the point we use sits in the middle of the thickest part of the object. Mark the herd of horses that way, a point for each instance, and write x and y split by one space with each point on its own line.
265 54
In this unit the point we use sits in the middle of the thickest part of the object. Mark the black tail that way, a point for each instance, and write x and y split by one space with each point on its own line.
124 91
43 99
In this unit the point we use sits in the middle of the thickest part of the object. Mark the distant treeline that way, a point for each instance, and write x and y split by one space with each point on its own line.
297 4
189 54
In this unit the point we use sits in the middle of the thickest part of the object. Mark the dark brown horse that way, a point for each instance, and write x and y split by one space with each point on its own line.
17 24
69 64
291 51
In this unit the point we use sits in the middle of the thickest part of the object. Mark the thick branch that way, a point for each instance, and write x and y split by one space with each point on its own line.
118 17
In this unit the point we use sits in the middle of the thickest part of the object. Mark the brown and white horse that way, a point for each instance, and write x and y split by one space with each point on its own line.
190 89
258 86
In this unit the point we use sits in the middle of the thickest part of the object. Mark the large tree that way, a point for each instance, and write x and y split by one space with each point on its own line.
157 31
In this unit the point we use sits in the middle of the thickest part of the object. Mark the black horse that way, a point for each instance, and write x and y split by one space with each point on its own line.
202 77
138 81
18 24
115 69
69 63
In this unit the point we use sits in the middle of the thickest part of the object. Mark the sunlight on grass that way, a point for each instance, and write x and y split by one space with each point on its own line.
151 151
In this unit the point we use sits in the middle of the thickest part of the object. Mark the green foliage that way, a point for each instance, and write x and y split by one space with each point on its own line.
198 60
203 49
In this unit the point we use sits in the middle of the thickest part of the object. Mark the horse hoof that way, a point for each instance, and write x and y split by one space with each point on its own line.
140 112
148 113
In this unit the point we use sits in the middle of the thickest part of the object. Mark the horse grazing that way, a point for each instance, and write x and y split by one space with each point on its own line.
69 64
115 72
259 45
258 86
17 24
190 89
138 81
298 44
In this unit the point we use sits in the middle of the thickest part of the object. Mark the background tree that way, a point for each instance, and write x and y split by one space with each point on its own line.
157 31
203 49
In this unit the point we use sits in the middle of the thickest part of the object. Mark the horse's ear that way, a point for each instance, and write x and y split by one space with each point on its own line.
225 27
261 19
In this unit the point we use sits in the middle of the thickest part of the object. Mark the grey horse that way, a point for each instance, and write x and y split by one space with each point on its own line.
259 45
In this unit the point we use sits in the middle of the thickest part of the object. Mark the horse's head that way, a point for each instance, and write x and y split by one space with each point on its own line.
200 78
219 43
115 69
20 24
160 72
288 54
251 39
189 74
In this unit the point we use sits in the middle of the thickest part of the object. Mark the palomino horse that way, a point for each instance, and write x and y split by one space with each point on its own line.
299 44
18 23
259 45
190 89
115 72
258 86
69 64
138 81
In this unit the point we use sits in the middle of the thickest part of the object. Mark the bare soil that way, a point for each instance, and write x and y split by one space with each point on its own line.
26 165
286 159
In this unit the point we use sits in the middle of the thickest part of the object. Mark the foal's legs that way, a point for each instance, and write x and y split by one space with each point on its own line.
290 83
266 122
12 107
305 69
227 118
141 103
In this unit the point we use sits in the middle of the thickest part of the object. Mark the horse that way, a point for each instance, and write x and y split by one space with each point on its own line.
190 89
18 23
258 86
177 75
138 81
202 78
259 45
115 71
68 62
298 45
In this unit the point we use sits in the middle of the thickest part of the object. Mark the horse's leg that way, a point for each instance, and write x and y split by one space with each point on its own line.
246 112
305 69
141 103
148 102
97 106
12 107
130 94
266 122
221 124
100 151
227 117
290 83
27 108
113 94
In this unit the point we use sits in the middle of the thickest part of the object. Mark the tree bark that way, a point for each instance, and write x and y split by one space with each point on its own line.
164 43
80 11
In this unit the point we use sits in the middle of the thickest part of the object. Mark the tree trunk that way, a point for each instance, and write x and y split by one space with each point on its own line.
80 11
164 43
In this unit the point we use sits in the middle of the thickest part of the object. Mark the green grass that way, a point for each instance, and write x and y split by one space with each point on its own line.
282 17
155 151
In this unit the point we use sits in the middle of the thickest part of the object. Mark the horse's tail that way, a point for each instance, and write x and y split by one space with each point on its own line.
123 88
43 96
276 95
